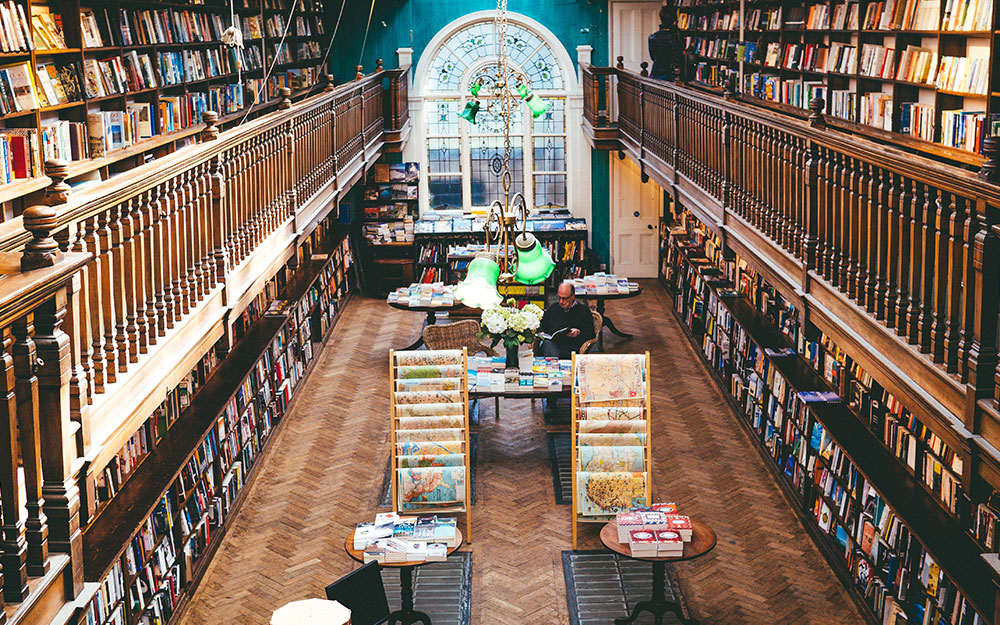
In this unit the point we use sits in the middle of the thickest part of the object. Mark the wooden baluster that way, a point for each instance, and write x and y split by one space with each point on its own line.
29 438
810 221
15 547
139 341
230 168
868 237
956 286
200 233
177 241
95 309
903 277
58 454
118 285
803 182
193 236
846 214
106 286
944 207
129 330
881 242
928 231
892 253
159 256
820 158
983 352
916 262
78 331
836 218
862 230
208 229
185 241
168 251
220 230
973 226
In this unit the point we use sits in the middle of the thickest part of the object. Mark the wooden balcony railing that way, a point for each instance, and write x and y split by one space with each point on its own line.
129 262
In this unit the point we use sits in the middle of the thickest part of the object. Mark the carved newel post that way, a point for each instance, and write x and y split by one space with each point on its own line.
42 250
378 65
644 69
286 100
211 131
621 63
360 74
816 119
990 171
330 84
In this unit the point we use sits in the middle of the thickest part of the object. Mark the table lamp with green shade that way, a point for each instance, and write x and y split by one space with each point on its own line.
479 289
534 264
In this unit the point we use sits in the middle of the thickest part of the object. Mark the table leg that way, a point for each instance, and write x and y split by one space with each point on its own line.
658 605
429 321
406 615
610 325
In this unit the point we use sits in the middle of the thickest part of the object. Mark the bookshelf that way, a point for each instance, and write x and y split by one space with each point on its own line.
107 86
182 494
920 70
888 536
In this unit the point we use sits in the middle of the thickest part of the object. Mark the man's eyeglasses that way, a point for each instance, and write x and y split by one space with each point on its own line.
567 298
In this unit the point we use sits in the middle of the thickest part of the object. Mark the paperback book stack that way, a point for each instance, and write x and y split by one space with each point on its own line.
430 431
424 294
603 284
392 538
654 531
610 435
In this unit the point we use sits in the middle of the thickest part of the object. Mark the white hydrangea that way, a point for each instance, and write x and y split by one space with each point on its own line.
519 321
494 321
533 310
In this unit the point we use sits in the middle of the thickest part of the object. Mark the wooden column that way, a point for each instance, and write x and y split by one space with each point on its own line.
59 487
811 226
15 547
29 436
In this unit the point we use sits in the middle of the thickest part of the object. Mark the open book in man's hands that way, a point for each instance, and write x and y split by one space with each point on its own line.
549 337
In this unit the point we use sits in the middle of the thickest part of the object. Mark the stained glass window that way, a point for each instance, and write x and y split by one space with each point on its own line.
464 161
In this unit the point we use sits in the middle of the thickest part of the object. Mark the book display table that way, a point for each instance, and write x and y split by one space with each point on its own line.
703 540
405 615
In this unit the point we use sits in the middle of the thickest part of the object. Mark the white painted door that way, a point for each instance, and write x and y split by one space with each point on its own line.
631 25
635 221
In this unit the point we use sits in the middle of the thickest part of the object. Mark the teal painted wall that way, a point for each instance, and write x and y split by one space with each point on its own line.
413 23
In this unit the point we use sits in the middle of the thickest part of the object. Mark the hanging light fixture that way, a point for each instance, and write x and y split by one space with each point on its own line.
521 258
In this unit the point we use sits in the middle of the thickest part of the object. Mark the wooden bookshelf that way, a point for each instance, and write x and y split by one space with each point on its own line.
825 456
226 85
743 53
153 540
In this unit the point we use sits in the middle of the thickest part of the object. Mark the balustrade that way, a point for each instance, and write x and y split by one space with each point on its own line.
129 262
912 242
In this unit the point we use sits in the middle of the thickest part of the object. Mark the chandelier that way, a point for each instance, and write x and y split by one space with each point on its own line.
518 257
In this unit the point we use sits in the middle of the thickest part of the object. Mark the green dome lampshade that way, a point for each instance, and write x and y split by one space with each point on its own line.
474 89
470 112
479 289
534 264
537 105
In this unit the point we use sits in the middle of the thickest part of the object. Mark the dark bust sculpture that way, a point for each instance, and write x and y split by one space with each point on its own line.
665 47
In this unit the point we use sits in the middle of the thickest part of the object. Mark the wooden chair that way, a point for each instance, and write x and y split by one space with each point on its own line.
598 324
456 336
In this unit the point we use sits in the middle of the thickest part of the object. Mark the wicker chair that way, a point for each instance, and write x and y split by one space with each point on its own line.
598 324
456 336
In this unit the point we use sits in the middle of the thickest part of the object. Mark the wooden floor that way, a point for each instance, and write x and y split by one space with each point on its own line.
323 472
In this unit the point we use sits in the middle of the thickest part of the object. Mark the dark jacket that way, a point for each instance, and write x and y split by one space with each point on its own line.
667 52
578 316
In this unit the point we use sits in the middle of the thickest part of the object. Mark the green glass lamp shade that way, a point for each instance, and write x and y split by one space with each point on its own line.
537 105
474 89
522 89
470 112
534 264
479 289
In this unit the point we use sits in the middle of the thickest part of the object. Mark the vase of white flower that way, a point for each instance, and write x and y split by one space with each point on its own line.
511 325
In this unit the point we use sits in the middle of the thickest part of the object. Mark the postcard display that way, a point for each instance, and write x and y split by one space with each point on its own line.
430 433
612 464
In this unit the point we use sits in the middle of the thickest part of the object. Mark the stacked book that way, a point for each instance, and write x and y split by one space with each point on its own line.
488 374
603 284
424 294
392 538
654 531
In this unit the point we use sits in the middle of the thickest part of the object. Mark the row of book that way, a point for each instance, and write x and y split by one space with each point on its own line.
773 88
113 26
877 61
764 19
906 14
967 15
963 74
720 20
876 110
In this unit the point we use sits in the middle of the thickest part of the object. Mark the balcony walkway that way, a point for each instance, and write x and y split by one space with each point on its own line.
324 472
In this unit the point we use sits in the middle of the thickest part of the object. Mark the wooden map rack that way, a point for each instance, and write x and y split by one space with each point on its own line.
577 410
447 374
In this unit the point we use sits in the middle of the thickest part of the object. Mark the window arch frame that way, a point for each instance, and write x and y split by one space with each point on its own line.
427 99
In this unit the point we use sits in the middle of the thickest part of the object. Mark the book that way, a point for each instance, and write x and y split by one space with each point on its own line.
548 337
668 543
48 28
22 86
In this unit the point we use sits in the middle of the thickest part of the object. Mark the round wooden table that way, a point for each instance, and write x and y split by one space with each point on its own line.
431 317
703 540
600 308
405 615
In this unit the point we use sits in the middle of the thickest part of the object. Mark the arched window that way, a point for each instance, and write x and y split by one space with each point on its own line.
462 161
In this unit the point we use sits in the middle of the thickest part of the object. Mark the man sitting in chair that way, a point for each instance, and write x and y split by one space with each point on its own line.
568 323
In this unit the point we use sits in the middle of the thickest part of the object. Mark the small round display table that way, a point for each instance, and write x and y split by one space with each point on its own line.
405 615
431 317
600 299
702 541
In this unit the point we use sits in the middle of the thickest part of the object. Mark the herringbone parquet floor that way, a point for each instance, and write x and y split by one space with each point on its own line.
322 475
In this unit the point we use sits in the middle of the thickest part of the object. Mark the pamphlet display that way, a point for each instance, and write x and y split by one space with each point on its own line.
430 432
610 436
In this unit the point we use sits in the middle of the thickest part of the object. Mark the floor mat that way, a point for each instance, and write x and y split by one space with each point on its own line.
560 461
602 586
443 590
